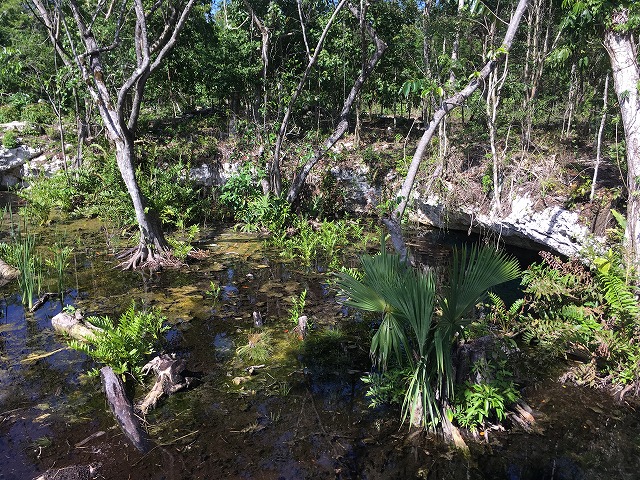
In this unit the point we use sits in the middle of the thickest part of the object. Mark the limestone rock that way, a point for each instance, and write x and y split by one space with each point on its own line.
12 161
554 227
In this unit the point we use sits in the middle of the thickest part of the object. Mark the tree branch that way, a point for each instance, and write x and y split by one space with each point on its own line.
343 119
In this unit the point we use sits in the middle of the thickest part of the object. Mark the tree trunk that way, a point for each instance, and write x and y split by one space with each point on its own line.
343 120
393 222
275 176
603 121
626 76
449 104
153 246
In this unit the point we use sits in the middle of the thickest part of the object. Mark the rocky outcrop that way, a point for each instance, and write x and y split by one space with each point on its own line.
12 164
554 228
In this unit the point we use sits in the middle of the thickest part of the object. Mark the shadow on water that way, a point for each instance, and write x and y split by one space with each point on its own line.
303 415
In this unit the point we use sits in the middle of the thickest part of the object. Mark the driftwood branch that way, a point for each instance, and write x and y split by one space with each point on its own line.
122 409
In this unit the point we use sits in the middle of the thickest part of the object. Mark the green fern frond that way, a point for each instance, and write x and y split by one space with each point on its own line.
619 295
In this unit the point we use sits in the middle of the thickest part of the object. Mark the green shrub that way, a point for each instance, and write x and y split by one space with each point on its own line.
172 194
239 191
9 113
569 307
46 194
486 400
124 346
10 139
38 113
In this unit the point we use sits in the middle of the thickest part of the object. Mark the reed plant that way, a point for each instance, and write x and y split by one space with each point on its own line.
59 263
27 262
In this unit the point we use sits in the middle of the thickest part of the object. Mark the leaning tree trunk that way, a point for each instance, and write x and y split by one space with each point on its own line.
626 76
343 120
457 100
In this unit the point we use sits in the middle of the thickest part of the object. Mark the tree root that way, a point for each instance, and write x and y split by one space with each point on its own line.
146 257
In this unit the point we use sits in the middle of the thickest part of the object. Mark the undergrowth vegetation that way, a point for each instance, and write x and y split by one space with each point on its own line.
97 189
123 345
588 313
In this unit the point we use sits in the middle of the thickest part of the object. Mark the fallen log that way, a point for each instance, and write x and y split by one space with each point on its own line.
73 324
122 409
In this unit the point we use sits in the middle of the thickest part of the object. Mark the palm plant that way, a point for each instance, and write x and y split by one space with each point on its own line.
420 325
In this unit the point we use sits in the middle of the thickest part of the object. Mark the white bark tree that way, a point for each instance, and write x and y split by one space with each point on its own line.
622 50
79 45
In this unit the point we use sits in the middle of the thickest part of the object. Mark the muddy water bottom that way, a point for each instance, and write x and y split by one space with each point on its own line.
303 415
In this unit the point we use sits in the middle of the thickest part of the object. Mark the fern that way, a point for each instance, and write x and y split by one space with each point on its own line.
124 346
619 296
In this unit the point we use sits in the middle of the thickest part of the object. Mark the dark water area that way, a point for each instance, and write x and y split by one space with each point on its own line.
303 416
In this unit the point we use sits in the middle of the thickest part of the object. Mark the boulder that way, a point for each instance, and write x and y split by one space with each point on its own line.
12 161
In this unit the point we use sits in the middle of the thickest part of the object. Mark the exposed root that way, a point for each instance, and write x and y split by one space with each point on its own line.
146 257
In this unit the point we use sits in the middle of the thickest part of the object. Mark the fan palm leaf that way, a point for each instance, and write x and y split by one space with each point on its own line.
471 275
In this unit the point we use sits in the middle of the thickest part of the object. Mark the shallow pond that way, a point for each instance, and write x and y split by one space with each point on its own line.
303 415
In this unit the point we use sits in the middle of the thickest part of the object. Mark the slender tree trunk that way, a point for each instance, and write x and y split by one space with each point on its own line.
571 101
343 120
276 178
393 223
265 34
537 49
626 75
152 239
603 121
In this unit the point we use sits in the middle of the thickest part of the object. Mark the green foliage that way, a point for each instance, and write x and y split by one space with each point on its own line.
419 327
21 254
172 194
125 345
568 306
297 307
10 139
214 291
38 114
486 400
182 246
59 263
238 191
258 349
314 242
46 194
387 388
265 213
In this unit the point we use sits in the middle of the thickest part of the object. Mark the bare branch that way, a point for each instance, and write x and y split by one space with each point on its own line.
449 104
343 121
304 30
276 181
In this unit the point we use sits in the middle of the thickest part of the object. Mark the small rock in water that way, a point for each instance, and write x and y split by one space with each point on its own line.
257 319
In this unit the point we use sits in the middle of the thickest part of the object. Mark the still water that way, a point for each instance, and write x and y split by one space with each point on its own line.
303 415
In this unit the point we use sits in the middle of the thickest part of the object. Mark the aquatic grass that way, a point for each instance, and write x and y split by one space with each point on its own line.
59 263
297 307
258 349
25 260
